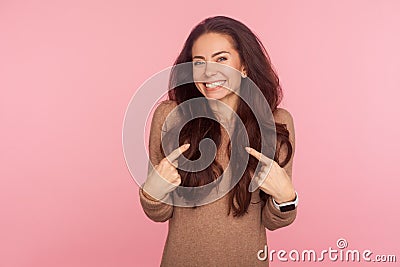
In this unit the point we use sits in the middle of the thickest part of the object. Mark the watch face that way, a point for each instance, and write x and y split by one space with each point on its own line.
288 207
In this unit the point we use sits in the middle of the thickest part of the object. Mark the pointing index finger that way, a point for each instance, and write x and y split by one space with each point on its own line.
264 159
174 155
257 181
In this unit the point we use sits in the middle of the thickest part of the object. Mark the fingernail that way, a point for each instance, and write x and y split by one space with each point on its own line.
187 145
247 148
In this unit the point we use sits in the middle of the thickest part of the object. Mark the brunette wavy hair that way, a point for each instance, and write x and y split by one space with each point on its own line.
260 71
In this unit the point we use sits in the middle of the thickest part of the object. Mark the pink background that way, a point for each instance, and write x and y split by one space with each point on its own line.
68 71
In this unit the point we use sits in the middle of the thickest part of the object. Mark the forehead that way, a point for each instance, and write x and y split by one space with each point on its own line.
210 43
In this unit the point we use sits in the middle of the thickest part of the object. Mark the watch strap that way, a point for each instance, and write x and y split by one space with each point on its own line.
287 206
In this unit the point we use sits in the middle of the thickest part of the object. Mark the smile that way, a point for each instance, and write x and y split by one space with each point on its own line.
214 85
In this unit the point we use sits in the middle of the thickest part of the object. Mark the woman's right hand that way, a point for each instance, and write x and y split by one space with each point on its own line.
164 177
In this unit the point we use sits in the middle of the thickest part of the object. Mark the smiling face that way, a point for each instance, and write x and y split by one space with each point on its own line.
217 67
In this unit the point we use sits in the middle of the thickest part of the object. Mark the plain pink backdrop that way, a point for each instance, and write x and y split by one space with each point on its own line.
68 71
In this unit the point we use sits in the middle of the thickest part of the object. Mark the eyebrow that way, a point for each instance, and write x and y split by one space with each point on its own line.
213 55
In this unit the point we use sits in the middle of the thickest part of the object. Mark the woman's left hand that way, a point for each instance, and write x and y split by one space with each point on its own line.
275 182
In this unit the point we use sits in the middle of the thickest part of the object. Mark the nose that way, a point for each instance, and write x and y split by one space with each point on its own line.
211 68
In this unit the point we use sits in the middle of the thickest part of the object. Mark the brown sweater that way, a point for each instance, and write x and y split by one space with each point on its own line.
206 236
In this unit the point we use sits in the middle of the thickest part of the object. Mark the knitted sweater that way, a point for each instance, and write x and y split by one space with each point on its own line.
206 235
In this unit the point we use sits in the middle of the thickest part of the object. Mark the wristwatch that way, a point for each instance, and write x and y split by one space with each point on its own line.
286 206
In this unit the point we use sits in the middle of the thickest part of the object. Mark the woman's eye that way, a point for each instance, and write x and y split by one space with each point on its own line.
221 58
198 63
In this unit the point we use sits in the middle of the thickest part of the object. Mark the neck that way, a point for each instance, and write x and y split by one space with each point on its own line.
224 111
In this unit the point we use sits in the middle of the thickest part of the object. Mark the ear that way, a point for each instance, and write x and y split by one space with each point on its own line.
244 72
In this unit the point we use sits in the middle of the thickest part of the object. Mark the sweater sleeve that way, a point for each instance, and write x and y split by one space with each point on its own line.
157 210
272 217
154 209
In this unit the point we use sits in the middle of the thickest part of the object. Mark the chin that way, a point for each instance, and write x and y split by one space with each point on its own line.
216 96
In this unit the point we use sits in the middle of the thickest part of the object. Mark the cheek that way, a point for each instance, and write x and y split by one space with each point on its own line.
233 74
197 75
234 78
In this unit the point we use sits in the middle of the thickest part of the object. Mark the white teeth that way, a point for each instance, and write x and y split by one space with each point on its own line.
214 84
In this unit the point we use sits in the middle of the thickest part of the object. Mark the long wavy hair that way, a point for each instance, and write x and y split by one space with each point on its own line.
260 71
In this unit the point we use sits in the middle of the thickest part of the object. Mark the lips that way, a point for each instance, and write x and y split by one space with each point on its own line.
215 85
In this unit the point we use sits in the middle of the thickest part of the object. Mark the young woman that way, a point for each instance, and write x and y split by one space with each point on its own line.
226 58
